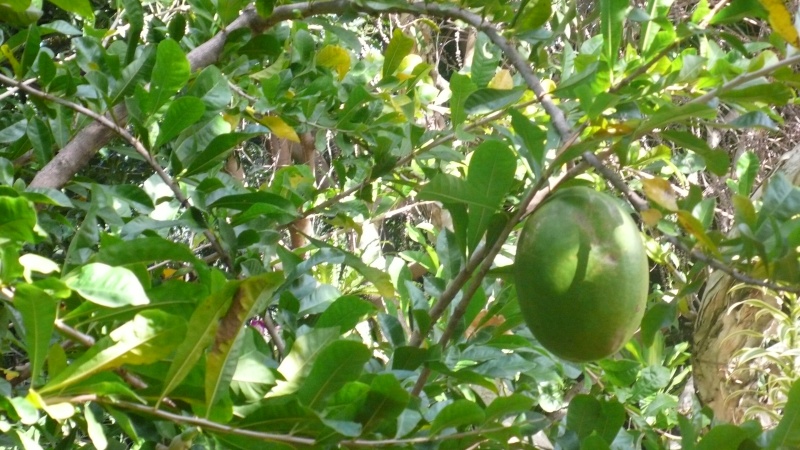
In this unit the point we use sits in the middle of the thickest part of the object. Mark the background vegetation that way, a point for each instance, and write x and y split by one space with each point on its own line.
284 225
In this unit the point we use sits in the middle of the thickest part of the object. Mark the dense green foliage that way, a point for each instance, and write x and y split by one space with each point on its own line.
301 232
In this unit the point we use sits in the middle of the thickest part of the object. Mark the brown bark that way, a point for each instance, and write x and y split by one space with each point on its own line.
720 381
284 153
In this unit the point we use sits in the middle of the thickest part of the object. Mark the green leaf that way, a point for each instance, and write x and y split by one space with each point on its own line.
338 363
717 161
38 310
535 15
145 250
202 329
149 337
251 297
13 132
488 100
345 312
135 72
399 47
80 7
533 140
94 425
385 401
787 433
461 86
587 414
107 286
670 114
767 93
41 139
459 413
134 14
485 60
297 364
449 189
181 113
722 437
781 199
217 151
170 73
659 316
747 167
17 220
505 406
612 19
491 172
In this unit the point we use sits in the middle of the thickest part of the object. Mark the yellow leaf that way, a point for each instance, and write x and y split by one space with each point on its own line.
502 80
336 58
659 191
651 217
407 66
279 128
780 19
693 226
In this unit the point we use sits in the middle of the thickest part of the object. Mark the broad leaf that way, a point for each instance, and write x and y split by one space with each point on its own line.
181 113
457 414
399 47
170 73
107 286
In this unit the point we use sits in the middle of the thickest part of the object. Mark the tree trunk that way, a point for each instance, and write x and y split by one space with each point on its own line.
721 331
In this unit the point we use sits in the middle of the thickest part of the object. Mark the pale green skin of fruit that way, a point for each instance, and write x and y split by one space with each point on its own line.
581 275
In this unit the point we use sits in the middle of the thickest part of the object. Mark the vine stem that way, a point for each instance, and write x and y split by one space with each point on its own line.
135 143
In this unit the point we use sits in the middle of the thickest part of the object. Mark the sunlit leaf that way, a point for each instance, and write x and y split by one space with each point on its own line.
660 191
107 286
38 310
780 19
335 57
399 47
337 363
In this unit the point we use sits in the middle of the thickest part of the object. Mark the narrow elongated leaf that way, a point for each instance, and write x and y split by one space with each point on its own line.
461 86
533 140
13 132
170 73
488 100
180 114
38 310
491 172
107 286
768 93
787 433
485 60
145 250
136 71
279 128
612 19
338 363
134 13
217 151
456 414
149 337
399 47
202 329
41 139
251 296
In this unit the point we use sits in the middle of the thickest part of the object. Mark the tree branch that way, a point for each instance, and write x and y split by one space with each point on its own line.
135 143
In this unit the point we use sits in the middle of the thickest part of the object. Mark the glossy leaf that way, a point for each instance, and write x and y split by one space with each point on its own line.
170 73
399 47
107 286
180 114
38 310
